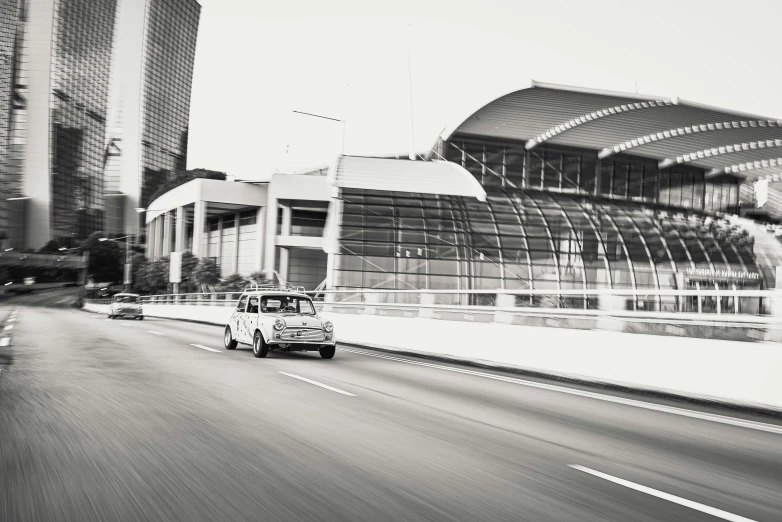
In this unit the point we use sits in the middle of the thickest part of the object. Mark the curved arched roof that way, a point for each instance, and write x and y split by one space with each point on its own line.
670 130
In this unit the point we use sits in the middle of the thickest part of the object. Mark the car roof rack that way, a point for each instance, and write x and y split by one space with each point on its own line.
254 287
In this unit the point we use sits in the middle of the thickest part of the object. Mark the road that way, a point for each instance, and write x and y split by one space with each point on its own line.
153 420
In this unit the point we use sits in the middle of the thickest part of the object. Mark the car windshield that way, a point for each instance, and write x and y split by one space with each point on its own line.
285 304
126 299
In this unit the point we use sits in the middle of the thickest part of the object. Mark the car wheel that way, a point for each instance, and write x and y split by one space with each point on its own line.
112 316
327 352
260 348
229 342
141 318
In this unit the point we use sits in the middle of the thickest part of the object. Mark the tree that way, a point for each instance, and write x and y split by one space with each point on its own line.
189 264
106 258
259 278
139 265
233 283
180 178
206 273
153 276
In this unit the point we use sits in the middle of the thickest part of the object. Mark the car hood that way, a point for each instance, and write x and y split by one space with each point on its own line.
304 321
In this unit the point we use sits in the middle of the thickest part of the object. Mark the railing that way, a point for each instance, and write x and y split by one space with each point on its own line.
739 304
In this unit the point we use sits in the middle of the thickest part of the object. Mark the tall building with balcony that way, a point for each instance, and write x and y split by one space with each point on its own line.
76 77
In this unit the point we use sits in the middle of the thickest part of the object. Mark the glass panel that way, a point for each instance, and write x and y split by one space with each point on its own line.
606 177
620 180
636 180
552 170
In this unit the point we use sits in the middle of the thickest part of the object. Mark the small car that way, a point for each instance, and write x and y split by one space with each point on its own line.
126 305
280 318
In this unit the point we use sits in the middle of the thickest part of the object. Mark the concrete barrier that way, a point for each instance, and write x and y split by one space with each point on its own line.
726 371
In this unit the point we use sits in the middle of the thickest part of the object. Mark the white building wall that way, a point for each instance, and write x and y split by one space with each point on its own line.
228 251
247 249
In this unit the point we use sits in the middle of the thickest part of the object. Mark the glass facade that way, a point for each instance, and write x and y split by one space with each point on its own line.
527 239
498 164
170 42
10 33
81 59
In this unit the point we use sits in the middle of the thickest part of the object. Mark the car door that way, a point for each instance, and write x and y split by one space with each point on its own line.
240 320
253 308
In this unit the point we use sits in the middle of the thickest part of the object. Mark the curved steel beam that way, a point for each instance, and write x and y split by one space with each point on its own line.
596 115
744 167
719 151
682 131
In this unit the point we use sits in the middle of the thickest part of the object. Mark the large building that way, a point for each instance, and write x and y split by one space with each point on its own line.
60 61
548 188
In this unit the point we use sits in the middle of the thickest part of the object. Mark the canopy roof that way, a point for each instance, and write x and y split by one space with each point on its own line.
398 175
670 130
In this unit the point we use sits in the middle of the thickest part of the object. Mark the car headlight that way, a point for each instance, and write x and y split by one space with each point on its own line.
279 324
328 326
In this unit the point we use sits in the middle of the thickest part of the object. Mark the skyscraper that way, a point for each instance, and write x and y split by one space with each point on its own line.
94 105
150 109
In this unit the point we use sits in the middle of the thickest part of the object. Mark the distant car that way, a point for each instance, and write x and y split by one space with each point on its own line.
126 305
29 281
279 318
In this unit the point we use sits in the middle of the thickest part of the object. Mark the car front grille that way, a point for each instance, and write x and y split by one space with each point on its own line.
303 334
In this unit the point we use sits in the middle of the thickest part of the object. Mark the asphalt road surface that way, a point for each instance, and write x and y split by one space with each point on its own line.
153 420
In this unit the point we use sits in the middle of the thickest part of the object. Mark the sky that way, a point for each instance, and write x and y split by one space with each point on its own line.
258 61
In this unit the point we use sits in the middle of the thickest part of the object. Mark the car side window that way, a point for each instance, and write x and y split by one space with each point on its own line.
253 308
242 304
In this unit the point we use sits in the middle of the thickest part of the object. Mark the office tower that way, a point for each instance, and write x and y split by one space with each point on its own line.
150 108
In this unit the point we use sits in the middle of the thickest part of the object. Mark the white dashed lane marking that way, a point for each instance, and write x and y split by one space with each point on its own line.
205 348
154 332
9 327
703 508
5 341
316 383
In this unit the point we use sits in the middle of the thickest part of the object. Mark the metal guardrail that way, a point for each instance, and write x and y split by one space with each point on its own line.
742 306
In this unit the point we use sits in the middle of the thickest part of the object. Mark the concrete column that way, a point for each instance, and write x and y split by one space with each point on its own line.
271 234
284 259
260 228
199 223
219 240
159 237
167 226
286 221
235 260
179 239
150 236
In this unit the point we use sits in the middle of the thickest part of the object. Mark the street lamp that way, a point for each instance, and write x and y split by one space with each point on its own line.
330 119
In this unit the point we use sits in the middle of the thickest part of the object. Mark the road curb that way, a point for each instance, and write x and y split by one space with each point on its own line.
596 384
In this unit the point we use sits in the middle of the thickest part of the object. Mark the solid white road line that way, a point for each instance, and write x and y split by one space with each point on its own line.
770 428
5 341
154 332
666 496
205 348
316 383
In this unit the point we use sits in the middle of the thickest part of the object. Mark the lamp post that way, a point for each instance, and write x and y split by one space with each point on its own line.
330 119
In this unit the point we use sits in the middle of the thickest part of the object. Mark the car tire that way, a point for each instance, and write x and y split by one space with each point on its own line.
112 316
228 340
327 352
260 348
141 318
